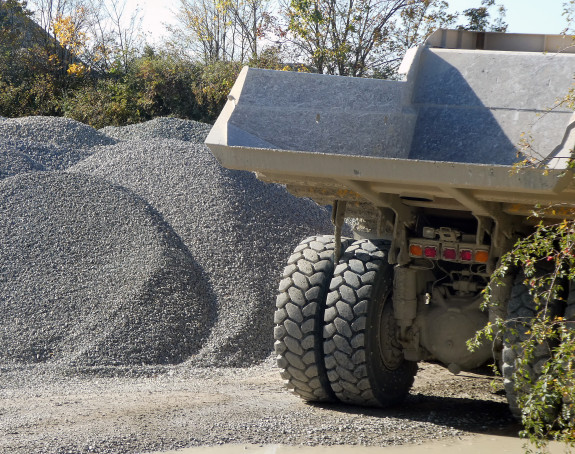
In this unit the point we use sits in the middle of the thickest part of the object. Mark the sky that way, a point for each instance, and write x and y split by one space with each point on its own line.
526 16
523 16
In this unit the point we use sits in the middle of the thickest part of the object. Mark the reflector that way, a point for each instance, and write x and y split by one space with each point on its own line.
449 254
416 250
429 232
481 256
466 255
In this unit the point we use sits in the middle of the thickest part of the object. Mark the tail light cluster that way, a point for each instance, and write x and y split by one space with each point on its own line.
453 252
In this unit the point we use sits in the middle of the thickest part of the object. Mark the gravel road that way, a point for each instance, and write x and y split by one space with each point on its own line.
138 410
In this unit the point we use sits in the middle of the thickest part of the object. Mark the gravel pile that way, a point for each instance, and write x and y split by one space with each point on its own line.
146 251
90 274
55 143
161 128
13 162
239 230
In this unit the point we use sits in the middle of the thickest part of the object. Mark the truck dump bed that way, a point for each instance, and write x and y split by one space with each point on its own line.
443 138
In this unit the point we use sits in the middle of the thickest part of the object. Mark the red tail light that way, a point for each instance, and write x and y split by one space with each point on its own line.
431 252
466 255
449 253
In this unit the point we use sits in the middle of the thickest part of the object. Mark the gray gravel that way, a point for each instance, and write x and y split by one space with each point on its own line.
92 275
168 407
161 128
146 252
12 162
62 132
239 230
53 142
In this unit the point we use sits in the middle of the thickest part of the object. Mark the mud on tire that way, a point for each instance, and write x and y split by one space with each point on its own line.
364 362
299 313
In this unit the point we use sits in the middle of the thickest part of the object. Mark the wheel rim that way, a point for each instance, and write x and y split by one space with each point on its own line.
390 349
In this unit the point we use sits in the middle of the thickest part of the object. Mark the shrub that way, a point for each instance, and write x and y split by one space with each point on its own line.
164 86
216 81
39 95
102 103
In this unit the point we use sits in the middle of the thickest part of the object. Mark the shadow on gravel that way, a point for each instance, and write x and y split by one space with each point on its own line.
465 414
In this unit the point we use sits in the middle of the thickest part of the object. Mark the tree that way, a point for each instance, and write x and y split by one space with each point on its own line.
108 38
221 30
72 41
544 372
114 37
417 22
47 11
205 29
340 37
13 16
252 19
569 14
360 37
478 19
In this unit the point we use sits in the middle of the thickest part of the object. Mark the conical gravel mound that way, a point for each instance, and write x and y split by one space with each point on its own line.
239 229
91 275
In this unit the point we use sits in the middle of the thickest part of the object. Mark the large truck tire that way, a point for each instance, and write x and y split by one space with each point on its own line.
364 361
520 310
298 319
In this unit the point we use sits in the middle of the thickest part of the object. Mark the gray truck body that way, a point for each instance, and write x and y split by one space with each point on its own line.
446 135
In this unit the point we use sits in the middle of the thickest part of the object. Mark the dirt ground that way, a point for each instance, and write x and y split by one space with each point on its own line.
158 409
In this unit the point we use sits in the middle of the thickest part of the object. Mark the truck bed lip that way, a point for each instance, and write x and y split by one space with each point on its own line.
392 170
291 163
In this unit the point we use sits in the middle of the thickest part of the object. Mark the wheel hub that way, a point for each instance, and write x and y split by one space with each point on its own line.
390 348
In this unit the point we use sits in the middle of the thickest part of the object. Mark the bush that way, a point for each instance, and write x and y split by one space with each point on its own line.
545 389
211 92
104 102
164 86
153 85
39 95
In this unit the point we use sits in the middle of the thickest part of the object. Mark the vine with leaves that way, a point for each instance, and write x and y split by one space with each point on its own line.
545 264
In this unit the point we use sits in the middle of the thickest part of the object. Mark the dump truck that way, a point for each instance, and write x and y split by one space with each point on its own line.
422 168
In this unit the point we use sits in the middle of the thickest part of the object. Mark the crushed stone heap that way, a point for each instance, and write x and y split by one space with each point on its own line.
92 275
144 251
52 142
240 231
13 162
161 128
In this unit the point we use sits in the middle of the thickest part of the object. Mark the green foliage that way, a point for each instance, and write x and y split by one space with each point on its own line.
38 95
479 19
164 85
12 12
417 21
269 58
546 394
216 81
103 103
361 37
154 85
20 55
